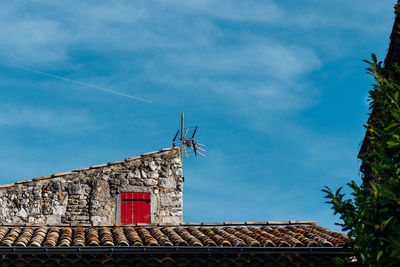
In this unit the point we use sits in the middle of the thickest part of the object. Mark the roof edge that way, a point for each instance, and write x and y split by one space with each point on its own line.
178 250
74 224
62 174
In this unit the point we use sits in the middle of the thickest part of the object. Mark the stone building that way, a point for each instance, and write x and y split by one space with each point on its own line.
142 189
129 213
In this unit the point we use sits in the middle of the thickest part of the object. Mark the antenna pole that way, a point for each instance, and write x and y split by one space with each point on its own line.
182 140
186 140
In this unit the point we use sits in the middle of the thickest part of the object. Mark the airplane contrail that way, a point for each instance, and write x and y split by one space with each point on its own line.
78 82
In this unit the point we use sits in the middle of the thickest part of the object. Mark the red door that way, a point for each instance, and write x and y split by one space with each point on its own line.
135 207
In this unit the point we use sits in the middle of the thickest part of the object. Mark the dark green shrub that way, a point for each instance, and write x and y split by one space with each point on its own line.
372 215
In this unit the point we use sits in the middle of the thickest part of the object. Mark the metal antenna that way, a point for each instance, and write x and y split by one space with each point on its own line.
182 140
189 147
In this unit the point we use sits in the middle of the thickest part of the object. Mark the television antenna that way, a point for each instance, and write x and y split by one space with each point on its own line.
189 147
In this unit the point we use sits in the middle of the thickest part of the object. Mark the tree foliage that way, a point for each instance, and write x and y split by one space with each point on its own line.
372 214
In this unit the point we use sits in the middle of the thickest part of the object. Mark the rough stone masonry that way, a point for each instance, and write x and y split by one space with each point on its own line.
92 195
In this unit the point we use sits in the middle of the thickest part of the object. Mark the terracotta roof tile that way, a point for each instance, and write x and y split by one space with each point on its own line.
150 153
148 239
38 237
66 237
161 238
133 237
175 238
233 223
106 237
62 174
98 166
190 239
52 237
233 240
24 237
188 224
221 241
81 169
255 223
301 222
23 182
195 236
41 178
10 237
133 158
92 237
116 162
120 238
211 223
251 242
6 185
277 222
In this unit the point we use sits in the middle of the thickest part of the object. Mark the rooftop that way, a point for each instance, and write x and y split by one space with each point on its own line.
61 174
250 234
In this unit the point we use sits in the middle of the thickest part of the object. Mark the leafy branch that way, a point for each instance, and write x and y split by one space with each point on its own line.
372 214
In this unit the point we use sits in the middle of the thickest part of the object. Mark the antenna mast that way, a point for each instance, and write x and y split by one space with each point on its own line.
187 143
182 139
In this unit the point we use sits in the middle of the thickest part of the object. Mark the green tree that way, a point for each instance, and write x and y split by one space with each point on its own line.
372 214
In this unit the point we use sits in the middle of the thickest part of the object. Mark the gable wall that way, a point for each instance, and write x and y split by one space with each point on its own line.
92 195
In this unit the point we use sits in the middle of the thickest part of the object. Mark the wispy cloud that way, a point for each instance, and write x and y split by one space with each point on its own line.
190 47
47 36
45 118
251 61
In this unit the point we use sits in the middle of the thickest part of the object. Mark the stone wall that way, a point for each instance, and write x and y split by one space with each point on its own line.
92 195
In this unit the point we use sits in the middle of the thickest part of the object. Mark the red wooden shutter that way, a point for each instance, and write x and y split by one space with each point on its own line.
135 207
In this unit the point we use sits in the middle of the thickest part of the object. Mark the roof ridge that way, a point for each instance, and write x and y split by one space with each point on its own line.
61 174
247 223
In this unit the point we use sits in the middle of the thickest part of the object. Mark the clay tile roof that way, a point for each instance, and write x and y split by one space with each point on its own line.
228 235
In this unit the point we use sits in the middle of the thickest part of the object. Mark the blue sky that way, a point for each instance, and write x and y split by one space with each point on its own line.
277 88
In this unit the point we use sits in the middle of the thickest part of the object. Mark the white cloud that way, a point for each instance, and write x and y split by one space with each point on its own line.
267 11
278 61
32 40
186 47
55 27
43 118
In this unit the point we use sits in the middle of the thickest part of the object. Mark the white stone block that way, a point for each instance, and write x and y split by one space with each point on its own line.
165 213
178 213
171 219
50 219
22 213
176 160
167 182
59 210
34 210
136 174
153 166
98 219
95 204
81 218
153 175
165 201
150 182
178 172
